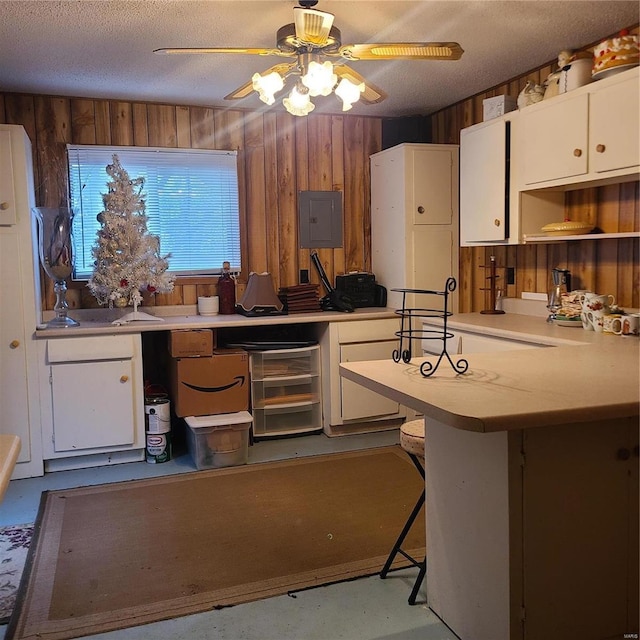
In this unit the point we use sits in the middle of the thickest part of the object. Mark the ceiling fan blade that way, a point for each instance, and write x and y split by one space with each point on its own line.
371 95
312 27
242 92
252 51
403 50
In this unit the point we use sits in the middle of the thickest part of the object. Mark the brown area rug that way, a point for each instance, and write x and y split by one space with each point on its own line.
119 555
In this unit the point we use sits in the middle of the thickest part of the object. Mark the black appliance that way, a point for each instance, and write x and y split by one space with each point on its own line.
359 286
334 300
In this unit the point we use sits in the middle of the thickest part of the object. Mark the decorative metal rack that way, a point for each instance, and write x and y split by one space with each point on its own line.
410 318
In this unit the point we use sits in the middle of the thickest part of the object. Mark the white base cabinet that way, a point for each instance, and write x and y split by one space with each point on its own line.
92 398
414 218
19 302
349 407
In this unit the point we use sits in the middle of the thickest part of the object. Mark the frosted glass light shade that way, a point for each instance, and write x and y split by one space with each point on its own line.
349 93
267 86
298 103
320 78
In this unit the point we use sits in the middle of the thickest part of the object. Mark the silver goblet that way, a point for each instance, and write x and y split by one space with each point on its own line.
56 255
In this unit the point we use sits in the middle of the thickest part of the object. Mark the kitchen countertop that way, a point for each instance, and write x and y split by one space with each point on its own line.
99 321
9 450
584 376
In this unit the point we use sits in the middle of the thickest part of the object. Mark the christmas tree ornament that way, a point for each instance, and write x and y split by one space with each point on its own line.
127 257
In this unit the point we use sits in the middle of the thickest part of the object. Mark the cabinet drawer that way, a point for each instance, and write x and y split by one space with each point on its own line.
284 363
90 349
282 420
281 391
368 330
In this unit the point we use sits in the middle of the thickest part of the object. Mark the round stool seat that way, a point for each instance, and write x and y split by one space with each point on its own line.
412 437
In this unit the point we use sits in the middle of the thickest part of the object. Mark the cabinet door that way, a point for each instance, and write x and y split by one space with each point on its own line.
14 401
432 185
8 209
357 402
484 185
554 139
615 128
578 551
93 404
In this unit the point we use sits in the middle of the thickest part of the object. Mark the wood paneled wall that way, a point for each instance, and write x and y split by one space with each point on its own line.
606 266
278 156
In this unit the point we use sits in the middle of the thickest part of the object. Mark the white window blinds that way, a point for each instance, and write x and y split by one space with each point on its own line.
191 199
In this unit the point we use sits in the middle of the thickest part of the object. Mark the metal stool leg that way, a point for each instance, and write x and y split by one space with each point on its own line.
397 547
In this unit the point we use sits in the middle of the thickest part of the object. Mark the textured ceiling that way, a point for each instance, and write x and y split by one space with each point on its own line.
104 48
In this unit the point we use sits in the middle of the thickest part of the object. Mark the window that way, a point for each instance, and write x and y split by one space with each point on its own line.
191 199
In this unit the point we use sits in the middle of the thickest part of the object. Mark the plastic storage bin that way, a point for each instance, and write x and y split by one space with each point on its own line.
220 440
285 363
284 391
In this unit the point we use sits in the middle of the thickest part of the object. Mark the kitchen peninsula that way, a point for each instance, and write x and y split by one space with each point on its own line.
532 480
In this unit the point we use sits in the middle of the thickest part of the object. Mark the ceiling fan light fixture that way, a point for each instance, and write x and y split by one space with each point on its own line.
299 102
320 78
312 27
267 85
349 93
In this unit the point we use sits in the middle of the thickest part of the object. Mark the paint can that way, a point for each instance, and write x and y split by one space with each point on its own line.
158 447
157 416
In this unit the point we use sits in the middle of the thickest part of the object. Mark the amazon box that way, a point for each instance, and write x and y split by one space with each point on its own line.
191 343
209 385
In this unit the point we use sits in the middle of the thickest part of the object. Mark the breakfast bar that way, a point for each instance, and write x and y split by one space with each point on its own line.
532 483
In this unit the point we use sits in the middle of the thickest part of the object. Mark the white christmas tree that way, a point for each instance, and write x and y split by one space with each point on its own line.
127 257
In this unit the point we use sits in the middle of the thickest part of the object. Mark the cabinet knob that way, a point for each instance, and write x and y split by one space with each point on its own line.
496 222
600 148
577 152
124 379
420 209
14 344
4 206
623 454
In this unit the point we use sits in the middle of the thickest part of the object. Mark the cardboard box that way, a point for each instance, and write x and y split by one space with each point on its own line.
498 106
210 385
190 343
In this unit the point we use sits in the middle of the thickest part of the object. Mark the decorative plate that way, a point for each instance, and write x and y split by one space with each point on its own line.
568 323
612 71
567 228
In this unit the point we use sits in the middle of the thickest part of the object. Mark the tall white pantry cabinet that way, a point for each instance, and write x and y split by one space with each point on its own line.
19 301
414 220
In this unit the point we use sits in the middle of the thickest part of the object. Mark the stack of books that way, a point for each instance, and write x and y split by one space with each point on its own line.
301 298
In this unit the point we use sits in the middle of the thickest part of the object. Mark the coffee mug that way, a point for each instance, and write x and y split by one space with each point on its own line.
208 305
611 322
627 325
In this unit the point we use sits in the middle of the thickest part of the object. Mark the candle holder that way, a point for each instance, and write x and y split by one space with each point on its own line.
56 255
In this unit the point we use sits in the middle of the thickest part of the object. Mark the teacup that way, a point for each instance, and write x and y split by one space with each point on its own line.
627 325
595 302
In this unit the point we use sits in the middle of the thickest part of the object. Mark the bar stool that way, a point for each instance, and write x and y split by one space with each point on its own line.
412 441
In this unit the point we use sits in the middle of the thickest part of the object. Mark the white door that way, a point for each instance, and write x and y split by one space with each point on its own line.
359 403
93 404
14 400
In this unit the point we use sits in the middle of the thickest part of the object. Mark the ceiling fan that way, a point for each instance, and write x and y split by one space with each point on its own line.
319 61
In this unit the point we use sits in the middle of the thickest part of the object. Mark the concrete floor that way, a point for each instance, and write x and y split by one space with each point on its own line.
363 609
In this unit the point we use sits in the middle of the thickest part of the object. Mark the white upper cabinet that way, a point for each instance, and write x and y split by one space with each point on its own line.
589 135
484 182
